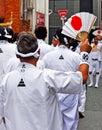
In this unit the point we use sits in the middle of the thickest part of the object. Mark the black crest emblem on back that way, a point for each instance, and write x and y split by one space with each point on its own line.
21 83
61 57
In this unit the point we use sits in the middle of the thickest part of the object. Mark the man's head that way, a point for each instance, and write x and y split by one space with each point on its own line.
63 39
4 34
55 40
27 46
96 40
41 32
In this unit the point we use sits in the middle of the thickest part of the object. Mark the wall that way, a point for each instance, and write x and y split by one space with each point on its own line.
13 6
97 11
86 6
2 9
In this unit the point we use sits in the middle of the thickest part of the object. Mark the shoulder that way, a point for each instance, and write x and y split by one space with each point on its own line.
75 54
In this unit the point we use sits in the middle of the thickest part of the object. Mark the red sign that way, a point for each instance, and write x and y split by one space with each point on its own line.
62 13
40 19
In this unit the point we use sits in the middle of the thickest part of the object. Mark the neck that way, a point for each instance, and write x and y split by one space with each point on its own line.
32 61
64 45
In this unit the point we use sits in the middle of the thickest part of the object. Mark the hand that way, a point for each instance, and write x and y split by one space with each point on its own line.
85 46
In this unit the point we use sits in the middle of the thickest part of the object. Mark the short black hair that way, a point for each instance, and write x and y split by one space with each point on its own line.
62 36
41 32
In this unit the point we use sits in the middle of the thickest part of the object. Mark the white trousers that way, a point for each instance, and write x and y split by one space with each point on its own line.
2 126
69 108
82 100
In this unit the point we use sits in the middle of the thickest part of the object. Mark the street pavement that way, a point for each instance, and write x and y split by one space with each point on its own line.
93 113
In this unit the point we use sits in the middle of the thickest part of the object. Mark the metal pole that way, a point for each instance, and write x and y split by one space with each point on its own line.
62 22
47 18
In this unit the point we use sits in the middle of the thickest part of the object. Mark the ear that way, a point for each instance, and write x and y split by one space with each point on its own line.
39 51
17 56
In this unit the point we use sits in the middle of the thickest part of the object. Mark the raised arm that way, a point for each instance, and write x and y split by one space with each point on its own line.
85 48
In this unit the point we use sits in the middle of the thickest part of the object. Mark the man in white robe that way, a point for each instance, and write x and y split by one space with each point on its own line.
41 34
65 60
7 50
28 99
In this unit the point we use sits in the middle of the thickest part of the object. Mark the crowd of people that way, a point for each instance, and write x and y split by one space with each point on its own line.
42 86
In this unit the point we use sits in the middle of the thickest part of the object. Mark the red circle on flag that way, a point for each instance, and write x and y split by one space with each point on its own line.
76 23
98 31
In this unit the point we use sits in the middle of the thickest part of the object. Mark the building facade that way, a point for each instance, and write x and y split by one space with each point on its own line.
26 14
10 11
73 6
54 19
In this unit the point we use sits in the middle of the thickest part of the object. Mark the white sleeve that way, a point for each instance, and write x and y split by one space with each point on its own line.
40 64
2 96
60 82
43 63
1 103
46 61
11 65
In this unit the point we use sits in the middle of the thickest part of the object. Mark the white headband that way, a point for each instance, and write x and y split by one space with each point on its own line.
65 40
34 54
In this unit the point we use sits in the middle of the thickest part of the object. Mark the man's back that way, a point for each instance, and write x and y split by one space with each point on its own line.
30 99
65 60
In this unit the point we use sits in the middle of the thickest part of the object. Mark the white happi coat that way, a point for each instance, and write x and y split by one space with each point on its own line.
64 59
28 99
12 64
44 48
7 50
95 57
